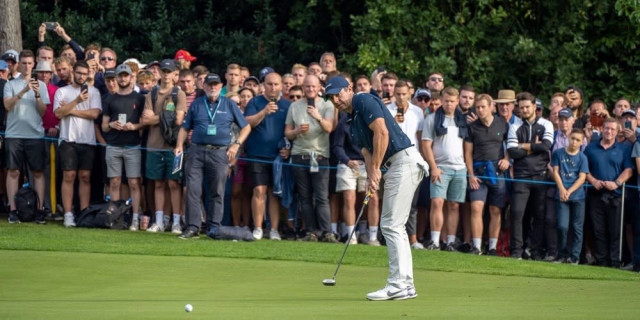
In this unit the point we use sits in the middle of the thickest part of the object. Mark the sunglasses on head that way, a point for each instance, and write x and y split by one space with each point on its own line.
423 98
295 96
106 58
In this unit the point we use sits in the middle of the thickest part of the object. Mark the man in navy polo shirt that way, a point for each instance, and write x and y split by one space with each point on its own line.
610 166
266 114
211 151
385 145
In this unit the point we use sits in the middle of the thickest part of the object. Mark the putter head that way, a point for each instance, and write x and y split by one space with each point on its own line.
329 282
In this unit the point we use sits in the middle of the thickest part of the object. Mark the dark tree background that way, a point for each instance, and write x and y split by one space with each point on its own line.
538 46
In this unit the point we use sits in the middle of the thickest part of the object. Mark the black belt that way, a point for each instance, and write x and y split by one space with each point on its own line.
211 146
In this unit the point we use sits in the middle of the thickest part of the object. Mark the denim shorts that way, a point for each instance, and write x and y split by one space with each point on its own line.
452 187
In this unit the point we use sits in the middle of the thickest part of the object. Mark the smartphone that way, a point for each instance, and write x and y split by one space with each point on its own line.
84 87
386 95
274 100
34 75
380 69
627 124
401 111
91 56
50 26
311 102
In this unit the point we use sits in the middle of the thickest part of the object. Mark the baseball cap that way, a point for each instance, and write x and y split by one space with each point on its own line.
251 78
184 54
539 104
110 73
4 65
168 64
123 68
153 63
10 55
629 113
212 78
566 113
422 92
334 85
264 72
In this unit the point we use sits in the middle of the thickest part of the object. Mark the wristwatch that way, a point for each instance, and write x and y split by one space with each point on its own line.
237 142
618 183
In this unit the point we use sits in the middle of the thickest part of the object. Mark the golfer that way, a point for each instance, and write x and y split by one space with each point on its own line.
384 146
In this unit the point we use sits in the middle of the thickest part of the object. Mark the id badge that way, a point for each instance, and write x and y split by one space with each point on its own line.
212 130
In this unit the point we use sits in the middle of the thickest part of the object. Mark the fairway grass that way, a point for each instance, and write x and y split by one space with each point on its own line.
49 272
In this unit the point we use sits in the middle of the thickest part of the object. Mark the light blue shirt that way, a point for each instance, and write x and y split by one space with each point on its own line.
24 121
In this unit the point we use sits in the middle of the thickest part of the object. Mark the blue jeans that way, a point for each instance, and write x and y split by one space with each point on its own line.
570 212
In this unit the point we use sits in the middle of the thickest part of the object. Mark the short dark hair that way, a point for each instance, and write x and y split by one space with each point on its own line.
402 84
185 72
389 75
577 130
467 88
26 53
253 94
525 96
80 64
295 88
362 76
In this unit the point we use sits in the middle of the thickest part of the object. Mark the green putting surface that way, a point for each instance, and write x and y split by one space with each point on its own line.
77 285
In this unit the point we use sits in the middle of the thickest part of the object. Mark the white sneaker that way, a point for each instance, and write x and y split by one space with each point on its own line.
69 221
353 240
374 243
176 229
392 293
417 246
135 225
274 235
155 228
166 222
257 233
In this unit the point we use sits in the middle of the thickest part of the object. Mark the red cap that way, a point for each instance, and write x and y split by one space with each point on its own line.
184 54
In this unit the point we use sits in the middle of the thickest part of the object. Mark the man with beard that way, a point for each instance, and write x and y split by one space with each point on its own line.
121 125
77 106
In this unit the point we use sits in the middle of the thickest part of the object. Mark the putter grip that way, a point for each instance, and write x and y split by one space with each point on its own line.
366 198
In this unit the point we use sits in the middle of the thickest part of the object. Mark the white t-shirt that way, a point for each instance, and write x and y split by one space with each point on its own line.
447 149
72 128
413 119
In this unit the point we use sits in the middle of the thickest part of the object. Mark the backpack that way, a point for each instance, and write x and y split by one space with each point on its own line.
108 215
27 203
168 127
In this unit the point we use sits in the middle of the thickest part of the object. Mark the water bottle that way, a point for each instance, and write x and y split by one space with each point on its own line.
107 198
26 185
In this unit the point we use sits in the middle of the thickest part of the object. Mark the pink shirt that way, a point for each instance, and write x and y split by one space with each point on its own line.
49 119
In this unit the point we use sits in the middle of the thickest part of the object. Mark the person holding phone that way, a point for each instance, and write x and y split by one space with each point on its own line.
77 106
25 100
308 124
388 84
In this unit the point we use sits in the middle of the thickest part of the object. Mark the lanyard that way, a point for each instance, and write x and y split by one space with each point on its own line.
215 112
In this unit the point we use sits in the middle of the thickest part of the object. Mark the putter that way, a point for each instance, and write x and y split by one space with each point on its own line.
332 282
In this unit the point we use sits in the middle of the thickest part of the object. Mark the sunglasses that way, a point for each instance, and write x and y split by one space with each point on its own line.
106 58
436 79
293 96
423 98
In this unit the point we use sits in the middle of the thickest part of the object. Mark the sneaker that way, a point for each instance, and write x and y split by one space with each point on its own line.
363 238
135 225
392 293
330 238
155 228
189 233
257 233
166 222
310 237
374 243
549 258
353 240
69 221
466 247
274 235
628 267
417 246
492 252
13 217
432 246
40 217
450 247
176 228
475 251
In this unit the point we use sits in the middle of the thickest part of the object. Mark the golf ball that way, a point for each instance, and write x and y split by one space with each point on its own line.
188 308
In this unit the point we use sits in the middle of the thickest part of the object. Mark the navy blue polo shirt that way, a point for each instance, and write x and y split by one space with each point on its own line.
265 137
226 112
365 109
608 164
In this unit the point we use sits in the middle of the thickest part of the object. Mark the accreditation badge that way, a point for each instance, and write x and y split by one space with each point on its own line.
212 130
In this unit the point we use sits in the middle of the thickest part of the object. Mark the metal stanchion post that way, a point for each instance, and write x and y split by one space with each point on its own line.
621 222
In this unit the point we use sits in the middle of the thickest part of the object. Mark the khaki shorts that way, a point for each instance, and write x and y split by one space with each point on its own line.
348 179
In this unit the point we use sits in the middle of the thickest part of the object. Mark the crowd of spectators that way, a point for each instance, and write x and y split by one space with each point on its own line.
508 176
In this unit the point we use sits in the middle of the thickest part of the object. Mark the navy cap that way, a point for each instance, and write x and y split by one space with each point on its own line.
335 84
110 73
168 64
565 112
539 104
212 78
4 65
422 92
264 72
628 113
153 63
251 78
124 68
10 55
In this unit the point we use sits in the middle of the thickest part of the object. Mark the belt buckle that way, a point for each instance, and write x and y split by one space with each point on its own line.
386 165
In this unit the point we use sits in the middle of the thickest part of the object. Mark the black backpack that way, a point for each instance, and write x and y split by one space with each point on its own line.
167 124
108 215
27 203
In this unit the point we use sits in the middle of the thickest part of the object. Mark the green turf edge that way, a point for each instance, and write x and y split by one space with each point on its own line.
53 237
